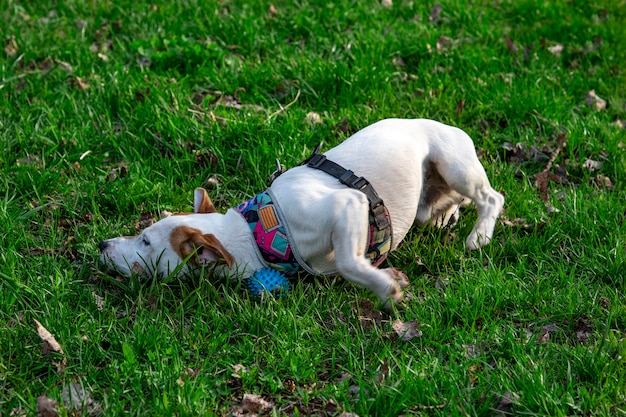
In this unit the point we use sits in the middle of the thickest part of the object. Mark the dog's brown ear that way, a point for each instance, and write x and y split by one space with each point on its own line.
203 248
201 202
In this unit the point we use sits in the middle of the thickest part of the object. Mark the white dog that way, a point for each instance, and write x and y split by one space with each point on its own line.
324 217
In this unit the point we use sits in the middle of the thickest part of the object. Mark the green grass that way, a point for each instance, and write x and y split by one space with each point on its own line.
113 109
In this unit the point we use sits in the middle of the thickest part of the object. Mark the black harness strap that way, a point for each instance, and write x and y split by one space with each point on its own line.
347 177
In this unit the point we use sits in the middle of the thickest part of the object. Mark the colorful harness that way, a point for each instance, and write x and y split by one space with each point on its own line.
271 233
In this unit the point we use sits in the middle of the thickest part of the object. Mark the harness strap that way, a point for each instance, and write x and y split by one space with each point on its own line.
347 177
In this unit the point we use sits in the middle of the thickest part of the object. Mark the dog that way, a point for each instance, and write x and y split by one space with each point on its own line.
420 171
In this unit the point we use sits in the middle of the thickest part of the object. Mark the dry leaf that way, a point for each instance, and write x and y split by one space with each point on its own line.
46 407
594 101
384 371
65 66
443 43
368 315
518 222
511 46
398 62
98 300
619 123
435 13
253 403
556 50
506 402
406 331
272 10
78 399
386 3
591 165
459 107
473 351
603 181
212 182
145 220
313 118
11 47
541 180
238 371
80 83
584 329
120 171
50 343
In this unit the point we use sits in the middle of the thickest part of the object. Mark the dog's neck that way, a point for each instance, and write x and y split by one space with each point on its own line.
235 235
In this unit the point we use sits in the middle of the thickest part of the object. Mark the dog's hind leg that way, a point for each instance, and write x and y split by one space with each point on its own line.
349 239
463 173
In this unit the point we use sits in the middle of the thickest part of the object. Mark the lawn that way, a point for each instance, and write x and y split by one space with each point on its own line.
111 113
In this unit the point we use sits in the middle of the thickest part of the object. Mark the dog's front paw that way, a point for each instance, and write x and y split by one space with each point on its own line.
399 276
395 300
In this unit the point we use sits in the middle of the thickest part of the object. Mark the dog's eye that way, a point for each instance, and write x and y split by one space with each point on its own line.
145 241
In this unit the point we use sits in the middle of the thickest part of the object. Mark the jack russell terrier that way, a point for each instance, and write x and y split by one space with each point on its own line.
338 212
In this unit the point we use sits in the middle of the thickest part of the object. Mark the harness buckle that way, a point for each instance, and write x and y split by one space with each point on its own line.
381 220
316 161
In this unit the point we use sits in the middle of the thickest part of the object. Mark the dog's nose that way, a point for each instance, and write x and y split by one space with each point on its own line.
103 245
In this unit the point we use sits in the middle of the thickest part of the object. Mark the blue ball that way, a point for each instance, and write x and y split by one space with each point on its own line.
268 279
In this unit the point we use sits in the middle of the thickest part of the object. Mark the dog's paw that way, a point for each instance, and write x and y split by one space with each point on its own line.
395 300
399 276
476 240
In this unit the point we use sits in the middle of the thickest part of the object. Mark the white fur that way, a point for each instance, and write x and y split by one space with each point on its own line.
422 169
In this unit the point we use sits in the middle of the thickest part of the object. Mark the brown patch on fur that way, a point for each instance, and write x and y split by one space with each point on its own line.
188 241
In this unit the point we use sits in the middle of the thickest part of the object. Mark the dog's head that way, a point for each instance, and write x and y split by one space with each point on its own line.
164 246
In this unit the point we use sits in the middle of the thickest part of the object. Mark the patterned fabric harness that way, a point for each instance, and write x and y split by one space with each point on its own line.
271 232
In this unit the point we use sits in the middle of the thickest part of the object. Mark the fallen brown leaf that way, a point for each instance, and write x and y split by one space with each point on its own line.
369 317
313 118
459 107
46 407
511 46
386 3
518 222
343 127
506 403
50 344
435 13
98 300
212 182
239 370
76 398
253 403
584 329
406 330
594 101
591 165
79 83
206 159
11 47
556 50
145 220
120 171
443 43
384 371
603 181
